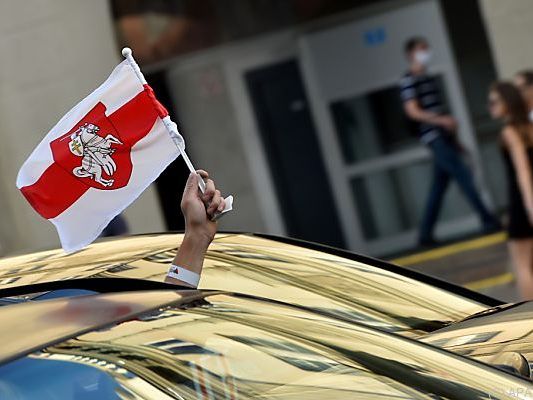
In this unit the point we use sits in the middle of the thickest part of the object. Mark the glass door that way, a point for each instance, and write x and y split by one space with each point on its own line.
388 171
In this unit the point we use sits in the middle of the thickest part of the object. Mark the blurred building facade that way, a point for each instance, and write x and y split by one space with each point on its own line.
292 105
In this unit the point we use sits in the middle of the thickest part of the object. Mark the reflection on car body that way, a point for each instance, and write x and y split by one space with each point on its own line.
393 299
283 322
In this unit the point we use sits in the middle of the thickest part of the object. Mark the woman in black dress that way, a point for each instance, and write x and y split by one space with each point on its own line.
507 105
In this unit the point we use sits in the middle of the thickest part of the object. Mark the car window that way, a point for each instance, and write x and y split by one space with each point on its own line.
52 294
49 379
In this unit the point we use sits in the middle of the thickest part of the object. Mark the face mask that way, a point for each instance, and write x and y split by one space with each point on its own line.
423 57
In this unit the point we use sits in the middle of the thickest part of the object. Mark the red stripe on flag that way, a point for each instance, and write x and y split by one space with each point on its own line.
135 118
160 108
57 189
54 191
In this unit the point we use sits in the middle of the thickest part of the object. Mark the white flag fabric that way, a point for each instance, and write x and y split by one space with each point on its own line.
98 158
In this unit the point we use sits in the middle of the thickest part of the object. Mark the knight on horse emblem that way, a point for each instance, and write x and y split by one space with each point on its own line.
96 154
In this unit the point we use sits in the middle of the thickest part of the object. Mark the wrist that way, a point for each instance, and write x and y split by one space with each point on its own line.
192 250
197 237
183 276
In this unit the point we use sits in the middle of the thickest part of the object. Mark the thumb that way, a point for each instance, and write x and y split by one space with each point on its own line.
191 187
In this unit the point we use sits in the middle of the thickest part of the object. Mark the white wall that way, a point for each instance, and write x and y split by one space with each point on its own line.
510 29
53 53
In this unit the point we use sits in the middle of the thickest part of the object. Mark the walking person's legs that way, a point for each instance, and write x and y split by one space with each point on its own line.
451 161
434 203
466 183
522 257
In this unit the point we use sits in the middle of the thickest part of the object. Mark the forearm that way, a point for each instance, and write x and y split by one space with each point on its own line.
190 255
524 178
200 230
526 189
415 112
427 117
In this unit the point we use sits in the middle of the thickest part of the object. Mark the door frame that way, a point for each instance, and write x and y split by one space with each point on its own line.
273 49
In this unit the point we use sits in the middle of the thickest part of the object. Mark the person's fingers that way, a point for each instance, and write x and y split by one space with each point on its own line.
221 206
215 202
190 193
202 173
191 187
209 192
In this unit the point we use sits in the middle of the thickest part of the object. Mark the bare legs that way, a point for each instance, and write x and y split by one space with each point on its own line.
522 255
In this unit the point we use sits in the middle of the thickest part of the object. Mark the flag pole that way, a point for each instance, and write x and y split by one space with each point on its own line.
174 134
172 128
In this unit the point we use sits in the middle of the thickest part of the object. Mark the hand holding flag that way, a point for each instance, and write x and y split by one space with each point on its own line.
200 228
101 156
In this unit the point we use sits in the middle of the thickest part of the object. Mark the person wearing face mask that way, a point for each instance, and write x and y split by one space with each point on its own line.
423 103
523 81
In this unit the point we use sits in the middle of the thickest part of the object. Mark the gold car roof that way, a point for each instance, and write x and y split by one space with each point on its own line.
235 347
350 288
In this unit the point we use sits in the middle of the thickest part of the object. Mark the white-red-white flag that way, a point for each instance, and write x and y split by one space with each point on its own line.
98 158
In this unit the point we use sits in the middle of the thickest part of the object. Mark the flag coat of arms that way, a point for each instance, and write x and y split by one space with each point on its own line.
98 158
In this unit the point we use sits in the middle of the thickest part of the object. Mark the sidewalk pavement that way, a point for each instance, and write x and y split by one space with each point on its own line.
480 264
